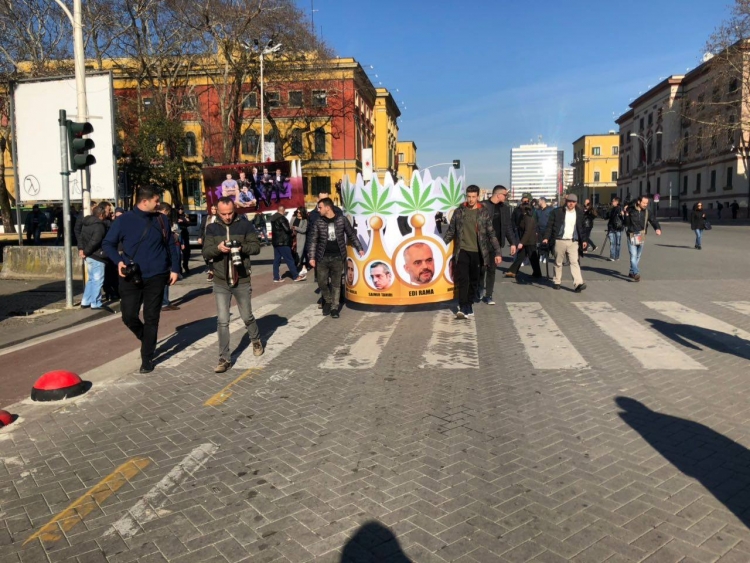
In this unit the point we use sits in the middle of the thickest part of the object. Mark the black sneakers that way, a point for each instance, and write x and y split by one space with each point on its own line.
580 288
326 309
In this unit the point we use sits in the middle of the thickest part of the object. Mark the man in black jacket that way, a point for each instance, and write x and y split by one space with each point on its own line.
232 274
281 235
183 222
93 232
565 227
328 252
145 236
636 223
502 223
615 225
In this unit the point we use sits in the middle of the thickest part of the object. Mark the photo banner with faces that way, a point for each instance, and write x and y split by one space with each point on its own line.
406 261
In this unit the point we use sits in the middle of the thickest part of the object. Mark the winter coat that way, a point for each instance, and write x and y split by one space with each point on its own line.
616 220
486 238
506 225
281 232
93 232
527 231
239 230
300 230
698 219
635 221
541 216
556 225
345 233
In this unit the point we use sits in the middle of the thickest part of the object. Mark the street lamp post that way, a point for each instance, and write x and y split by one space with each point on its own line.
267 50
646 142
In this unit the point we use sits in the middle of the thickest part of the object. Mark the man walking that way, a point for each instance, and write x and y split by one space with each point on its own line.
183 223
474 246
637 219
615 225
502 224
148 263
36 224
589 214
565 227
229 243
93 232
327 253
281 236
735 207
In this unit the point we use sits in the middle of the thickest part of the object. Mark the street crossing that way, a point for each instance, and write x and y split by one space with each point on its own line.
678 340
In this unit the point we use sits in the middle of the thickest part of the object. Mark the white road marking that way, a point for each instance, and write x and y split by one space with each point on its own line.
453 343
150 505
364 344
211 339
284 337
719 331
544 342
742 307
644 344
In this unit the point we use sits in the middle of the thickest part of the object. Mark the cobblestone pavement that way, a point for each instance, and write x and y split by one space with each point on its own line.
636 451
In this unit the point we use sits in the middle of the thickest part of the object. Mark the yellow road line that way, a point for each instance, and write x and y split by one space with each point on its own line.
222 396
91 499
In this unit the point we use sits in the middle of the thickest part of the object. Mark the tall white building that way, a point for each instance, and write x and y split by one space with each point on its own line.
536 169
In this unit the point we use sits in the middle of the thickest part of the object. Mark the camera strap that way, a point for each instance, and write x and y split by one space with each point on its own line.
149 223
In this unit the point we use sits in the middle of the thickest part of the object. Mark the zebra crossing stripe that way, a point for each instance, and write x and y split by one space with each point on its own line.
453 343
283 338
545 344
211 339
742 307
364 344
644 344
730 336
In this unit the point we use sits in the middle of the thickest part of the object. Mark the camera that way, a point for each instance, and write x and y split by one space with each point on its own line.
234 248
132 274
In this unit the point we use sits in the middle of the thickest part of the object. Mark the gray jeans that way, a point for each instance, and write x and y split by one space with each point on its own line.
223 296
330 267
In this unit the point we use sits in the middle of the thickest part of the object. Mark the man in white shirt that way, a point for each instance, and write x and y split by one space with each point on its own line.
565 227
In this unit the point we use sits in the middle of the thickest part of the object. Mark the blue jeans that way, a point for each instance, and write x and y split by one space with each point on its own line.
635 256
92 293
283 253
698 236
165 297
615 243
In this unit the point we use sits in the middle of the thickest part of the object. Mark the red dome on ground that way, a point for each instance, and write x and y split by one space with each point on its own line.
5 418
58 379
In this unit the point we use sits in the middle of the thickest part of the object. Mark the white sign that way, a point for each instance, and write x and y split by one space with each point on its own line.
269 151
37 105
367 164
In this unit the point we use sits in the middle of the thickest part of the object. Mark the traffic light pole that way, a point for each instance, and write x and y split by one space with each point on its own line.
65 173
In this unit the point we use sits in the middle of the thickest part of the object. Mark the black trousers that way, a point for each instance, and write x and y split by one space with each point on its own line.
111 280
467 276
533 256
150 296
487 276
186 258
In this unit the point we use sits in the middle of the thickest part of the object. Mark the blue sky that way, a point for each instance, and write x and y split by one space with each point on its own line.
479 77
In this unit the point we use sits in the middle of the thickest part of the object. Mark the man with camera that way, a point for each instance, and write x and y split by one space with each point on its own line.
229 243
148 263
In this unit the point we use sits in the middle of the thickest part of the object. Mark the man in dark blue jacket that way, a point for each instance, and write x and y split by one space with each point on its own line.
144 235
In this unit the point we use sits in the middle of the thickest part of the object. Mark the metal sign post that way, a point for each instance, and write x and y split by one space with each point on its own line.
64 172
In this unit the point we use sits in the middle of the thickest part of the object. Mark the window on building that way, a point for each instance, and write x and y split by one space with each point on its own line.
250 101
698 141
401 157
622 139
730 130
320 140
650 119
296 142
697 183
712 187
596 151
686 144
147 102
628 137
701 102
716 94
191 189
250 143
319 98
597 176
650 154
321 184
614 175
615 151
714 142
730 177
640 187
190 144
641 122
190 102
684 185
627 168
295 99
734 85
658 185
658 147
274 99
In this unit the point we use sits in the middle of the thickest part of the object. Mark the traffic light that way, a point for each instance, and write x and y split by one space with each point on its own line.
78 145
456 164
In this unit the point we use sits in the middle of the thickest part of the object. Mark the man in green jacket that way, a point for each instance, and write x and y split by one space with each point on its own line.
229 243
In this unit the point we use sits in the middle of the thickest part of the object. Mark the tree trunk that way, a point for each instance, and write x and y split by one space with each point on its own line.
5 210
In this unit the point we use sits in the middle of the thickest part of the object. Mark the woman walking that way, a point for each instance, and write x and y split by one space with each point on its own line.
300 238
527 247
698 223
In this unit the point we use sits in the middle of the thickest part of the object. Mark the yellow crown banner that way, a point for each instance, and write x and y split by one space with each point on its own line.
406 261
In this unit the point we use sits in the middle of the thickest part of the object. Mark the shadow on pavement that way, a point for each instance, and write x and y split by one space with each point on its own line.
715 461
674 246
605 272
192 294
185 336
715 340
373 543
267 325
32 297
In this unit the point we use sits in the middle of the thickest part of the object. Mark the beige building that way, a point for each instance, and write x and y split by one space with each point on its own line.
386 113
596 164
678 140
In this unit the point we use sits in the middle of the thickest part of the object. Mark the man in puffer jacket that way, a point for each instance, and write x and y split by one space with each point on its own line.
93 231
